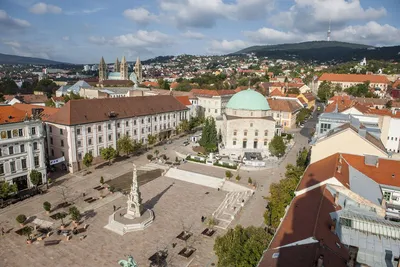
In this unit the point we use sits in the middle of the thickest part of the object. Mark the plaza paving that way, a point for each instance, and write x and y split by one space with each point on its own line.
176 208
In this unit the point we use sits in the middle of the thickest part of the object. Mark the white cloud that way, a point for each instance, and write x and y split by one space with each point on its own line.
193 35
43 8
94 10
225 46
65 38
140 15
314 15
205 13
8 23
140 41
12 44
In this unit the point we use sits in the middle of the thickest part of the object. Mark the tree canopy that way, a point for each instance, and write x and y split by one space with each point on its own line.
277 146
87 160
209 137
359 90
36 177
108 154
125 145
71 96
8 86
303 115
241 247
7 189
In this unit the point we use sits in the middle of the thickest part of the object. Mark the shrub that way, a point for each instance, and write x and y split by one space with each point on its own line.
238 177
228 174
224 165
101 180
176 159
249 180
47 206
195 160
49 180
21 218
149 156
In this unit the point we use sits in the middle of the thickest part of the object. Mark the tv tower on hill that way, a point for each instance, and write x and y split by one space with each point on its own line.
328 35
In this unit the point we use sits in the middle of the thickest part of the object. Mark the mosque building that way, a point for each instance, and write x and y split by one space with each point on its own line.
121 72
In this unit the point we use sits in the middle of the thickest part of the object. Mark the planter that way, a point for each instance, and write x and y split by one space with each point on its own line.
48 212
208 232
187 252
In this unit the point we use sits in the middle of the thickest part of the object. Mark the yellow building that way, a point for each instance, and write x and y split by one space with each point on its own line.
308 98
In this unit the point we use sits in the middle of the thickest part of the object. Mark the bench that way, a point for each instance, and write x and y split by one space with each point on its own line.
97 187
51 242
78 231
88 199
92 200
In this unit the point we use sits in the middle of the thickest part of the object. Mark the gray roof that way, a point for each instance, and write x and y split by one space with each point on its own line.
77 86
364 186
64 89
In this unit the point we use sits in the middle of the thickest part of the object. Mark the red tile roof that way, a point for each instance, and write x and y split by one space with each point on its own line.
355 78
284 105
184 100
276 92
152 84
339 98
396 84
211 93
45 114
28 99
10 114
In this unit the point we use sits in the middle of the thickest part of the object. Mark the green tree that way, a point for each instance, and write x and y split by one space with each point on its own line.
325 91
228 174
87 160
36 177
359 90
7 189
50 103
302 159
184 126
125 145
241 246
72 96
75 214
277 146
108 154
389 104
47 206
152 139
8 86
303 115
209 137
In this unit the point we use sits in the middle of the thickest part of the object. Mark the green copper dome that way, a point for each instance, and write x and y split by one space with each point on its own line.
248 100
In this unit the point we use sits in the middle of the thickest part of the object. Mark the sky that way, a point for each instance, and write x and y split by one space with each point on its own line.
82 31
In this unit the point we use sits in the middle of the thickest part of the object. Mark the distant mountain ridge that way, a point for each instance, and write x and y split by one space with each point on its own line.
323 51
13 59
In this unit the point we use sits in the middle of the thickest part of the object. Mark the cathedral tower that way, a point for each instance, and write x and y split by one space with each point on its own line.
116 66
102 70
138 70
124 69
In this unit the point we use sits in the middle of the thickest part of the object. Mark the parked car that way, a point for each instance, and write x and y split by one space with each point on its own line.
186 143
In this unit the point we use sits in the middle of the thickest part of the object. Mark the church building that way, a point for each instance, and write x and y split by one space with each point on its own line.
121 72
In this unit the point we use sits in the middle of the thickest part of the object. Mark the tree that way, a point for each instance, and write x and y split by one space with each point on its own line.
36 177
149 156
8 86
151 139
47 86
50 103
325 91
359 90
302 159
47 206
228 174
389 104
303 114
125 144
72 96
87 160
21 218
241 246
101 180
156 152
209 137
250 181
7 189
295 91
184 126
277 146
108 154
75 214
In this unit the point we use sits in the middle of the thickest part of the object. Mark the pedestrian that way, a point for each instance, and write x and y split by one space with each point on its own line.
115 208
2 230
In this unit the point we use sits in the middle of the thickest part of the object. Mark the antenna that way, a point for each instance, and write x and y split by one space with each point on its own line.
328 36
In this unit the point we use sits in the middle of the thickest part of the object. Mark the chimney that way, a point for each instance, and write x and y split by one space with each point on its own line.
320 261
336 198
393 176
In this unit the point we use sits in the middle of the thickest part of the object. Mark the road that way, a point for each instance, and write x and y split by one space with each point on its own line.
309 126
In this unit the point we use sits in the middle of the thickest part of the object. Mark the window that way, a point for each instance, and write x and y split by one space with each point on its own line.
164 117
78 131
251 113
33 130
256 133
21 147
10 150
392 138
12 166
51 140
1 169
149 129
127 133
387 195
127 123
134 132
23 164
395 139
52 152
142 130
265 142
61 131
134 122
79 143
174 115
90 141
109 126
89 129
251 124
265 133
100 139
244 143
79 156
62 153
245 133
36 161
9 135
234 142
119 135
149 120
62 143
155 128
255 144
21 132
1 152
50 129
35 146
109 137
216 110
235 133
118 125
99 128
345 222
155 118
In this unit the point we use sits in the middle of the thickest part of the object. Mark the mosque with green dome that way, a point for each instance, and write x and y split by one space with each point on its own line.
246 125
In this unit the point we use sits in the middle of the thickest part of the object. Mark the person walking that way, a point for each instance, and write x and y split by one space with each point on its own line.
115 208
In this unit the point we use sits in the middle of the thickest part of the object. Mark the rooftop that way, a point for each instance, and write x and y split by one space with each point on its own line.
355 78
248 100
286 105
45 113
211 93
10 114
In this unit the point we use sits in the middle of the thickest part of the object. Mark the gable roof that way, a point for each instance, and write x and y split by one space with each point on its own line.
77 86
95 110
46 112
10 114
309 96
355 78
286 105
276 92
211 93
184 100
28 98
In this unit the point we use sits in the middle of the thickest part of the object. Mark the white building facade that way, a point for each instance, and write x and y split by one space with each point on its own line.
213 102
22 150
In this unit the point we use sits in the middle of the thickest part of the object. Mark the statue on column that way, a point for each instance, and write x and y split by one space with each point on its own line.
134 209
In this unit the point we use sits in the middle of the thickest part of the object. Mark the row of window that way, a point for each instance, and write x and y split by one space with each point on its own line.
255 132
255 143
13 168
12 149
392 138
15 133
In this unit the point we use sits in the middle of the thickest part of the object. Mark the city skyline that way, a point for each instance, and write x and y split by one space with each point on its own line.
83 31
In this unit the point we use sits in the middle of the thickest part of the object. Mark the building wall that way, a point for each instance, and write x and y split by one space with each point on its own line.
213 106
345 142
22 134
352 111
78 140
345 85
286 119
392 142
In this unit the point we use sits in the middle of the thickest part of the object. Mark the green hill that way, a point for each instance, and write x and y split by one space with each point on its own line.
12 59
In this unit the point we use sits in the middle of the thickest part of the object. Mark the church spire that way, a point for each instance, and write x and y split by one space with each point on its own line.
124 69
116 66
102 70
138 71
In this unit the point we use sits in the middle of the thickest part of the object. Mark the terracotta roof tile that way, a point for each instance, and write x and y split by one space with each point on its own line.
340 98
276 92
309 96
184 100
45 114
94 110
285 105
356 78
10 114
211 93
152 84
28 99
